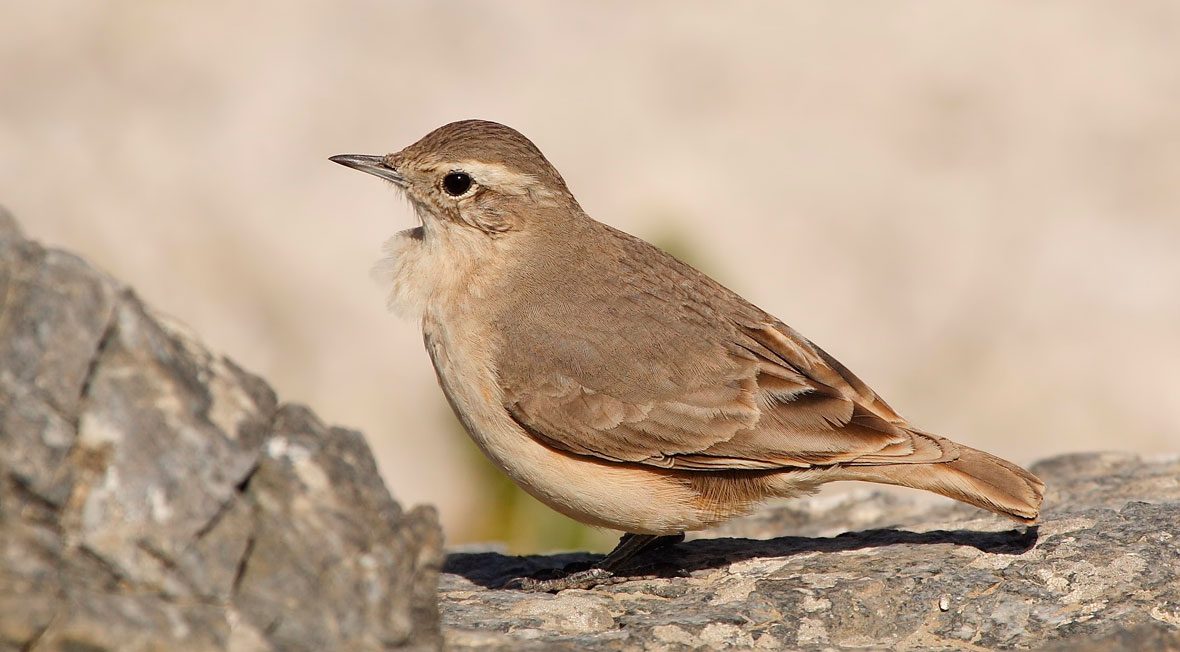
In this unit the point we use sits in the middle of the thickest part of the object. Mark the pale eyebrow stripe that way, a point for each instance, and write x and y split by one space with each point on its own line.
500 176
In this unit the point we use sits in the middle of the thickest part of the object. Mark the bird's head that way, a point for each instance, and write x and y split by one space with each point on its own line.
474 174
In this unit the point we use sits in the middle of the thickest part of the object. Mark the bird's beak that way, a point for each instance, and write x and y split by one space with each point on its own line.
374 165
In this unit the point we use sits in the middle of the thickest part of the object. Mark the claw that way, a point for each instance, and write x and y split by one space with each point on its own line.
586 579
601 573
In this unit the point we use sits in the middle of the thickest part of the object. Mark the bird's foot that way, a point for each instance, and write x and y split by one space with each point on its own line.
579 576
585 579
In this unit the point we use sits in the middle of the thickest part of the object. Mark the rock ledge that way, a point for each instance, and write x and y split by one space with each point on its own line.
872 570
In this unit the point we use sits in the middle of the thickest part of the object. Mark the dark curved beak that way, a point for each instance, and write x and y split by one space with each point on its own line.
374 165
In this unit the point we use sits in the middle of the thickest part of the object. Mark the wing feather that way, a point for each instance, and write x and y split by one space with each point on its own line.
785 404
701 379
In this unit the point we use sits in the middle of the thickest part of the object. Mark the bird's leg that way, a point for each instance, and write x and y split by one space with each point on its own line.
632 544
604 572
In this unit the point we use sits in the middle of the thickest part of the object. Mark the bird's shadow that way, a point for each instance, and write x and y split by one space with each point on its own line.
492 570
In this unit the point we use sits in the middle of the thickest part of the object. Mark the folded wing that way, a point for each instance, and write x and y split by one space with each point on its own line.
779 402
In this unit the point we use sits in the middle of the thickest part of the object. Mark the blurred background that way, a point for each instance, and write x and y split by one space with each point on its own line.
974 205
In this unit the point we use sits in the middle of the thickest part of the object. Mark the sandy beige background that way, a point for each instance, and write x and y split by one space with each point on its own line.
975 205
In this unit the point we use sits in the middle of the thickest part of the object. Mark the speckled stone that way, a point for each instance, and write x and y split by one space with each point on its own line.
877 571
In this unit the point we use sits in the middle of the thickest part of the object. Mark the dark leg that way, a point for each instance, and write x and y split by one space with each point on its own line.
631 545
604 571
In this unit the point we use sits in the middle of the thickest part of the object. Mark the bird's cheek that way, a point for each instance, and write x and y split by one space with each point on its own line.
432 209
489 219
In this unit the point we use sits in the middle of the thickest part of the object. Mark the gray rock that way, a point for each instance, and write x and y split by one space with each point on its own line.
154 496
872 570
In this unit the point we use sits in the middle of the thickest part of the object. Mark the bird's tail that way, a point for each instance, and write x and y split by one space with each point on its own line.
975 477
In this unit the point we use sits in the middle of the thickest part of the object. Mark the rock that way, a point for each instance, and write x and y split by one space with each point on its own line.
155 496
872 570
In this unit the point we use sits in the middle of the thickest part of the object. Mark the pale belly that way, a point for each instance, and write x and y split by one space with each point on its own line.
628 498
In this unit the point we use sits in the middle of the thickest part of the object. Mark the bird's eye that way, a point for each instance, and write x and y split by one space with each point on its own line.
456 183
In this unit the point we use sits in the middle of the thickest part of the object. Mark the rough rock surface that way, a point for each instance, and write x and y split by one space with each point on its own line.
873 570
156 497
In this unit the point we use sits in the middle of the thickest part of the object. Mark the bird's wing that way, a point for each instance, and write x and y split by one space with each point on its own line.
781 403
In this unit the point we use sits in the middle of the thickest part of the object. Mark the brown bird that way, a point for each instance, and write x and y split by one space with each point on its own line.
618 385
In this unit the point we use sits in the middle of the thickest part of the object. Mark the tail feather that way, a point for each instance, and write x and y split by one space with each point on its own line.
975 477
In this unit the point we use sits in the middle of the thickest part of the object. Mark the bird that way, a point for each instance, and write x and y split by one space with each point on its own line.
618 385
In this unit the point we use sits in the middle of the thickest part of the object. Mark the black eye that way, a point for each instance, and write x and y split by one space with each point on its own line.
457 183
